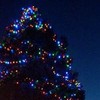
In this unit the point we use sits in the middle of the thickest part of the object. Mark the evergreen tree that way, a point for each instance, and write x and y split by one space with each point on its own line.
34 64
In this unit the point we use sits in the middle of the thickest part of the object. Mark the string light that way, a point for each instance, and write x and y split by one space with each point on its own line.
22 53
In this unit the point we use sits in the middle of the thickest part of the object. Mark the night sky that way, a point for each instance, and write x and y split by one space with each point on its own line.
79 21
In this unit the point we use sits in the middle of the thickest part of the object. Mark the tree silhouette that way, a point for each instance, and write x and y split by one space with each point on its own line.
34 64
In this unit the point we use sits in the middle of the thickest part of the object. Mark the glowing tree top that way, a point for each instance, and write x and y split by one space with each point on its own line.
31 55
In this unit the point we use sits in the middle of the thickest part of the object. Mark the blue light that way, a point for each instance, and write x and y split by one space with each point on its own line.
67 73
29 8
23 8
32 85
46 79
56 86
6 62
23 61
50 92
37 18
55 61
16 26
72 95
59 57
7 72
57 74
69 85
50 27
12 51
70 67
49 54
66 77
0 47
1 76
16 20
79 85
58 42
24 42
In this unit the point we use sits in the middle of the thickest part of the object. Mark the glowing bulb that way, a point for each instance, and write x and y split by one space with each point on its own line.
59 57
32 85
0 46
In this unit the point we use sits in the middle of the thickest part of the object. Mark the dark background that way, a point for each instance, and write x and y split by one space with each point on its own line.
79 21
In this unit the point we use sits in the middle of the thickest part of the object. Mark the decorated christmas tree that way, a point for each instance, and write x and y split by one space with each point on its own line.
34 64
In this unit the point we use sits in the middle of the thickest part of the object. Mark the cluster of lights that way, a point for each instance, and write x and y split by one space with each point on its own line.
28 15
24 56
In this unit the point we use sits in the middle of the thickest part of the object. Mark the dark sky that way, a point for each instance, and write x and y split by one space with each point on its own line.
79 20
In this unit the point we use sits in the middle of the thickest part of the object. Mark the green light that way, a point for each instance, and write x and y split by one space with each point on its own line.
37 81
26 51
39 53
64 97
53 54
36 26
67 56
34 16
67 65
65 48
3 44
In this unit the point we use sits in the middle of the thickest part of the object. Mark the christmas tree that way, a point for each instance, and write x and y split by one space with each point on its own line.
34 64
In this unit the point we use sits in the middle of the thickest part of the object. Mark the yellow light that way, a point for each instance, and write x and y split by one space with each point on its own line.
42 58
67 61
13 62
8 49
16 71
55 95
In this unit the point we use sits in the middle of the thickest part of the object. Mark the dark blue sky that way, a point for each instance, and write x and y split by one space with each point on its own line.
79 20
